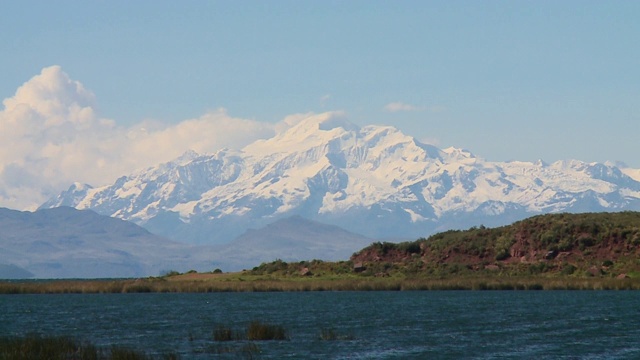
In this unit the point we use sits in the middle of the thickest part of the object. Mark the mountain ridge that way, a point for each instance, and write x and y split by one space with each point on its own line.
290 239
65 242
371 180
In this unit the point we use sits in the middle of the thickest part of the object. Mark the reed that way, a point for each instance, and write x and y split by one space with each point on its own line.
262 331
34 346
224 333
245 283
330 334
243 351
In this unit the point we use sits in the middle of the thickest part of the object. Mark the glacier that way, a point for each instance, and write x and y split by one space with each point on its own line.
371 180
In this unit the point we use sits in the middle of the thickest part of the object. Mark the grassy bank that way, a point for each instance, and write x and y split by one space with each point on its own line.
594 251
242 282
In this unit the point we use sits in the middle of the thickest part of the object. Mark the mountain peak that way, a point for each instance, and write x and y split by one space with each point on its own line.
71 197
313 122
459 153
187 157
372 180
304 132
540 163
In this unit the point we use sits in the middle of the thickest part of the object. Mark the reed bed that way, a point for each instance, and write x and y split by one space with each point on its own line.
34 346
240 284
330 334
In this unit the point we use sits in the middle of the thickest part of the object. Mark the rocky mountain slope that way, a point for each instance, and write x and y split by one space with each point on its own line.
370 180
593 244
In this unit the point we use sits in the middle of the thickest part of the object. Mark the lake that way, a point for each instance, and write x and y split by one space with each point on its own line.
369 325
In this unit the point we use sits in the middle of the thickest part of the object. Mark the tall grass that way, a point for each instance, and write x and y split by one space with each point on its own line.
329 334
224 333
347 283
65 348
262 331
36 347
256 331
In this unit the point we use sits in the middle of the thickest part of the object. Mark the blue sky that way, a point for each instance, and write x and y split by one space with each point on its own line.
507 80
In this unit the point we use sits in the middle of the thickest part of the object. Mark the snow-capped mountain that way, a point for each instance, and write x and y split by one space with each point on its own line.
371 180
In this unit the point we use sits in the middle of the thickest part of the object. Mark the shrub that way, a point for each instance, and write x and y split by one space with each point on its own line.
502 254
565 244
270 268
503 245
538 268
169 273
585 242
409 247
568 269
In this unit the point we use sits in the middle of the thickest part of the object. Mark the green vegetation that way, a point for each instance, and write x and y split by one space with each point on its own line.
65 348
242 351
549 245
224 333
34 346
261 331
256 331
240 282
557 251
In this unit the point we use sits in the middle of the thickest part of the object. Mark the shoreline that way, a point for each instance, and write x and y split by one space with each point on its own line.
241 282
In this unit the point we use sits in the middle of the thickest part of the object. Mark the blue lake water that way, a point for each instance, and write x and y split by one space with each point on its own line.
378 325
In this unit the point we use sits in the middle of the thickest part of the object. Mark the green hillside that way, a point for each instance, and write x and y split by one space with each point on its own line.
559 251
590 244
576 245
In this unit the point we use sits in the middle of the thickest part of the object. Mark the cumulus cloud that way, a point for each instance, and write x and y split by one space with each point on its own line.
51 136
210 132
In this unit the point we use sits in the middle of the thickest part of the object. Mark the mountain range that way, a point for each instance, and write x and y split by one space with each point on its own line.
68 243
370 180
65 242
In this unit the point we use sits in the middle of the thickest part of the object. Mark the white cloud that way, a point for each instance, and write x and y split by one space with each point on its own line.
208 133
51 137
400 106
